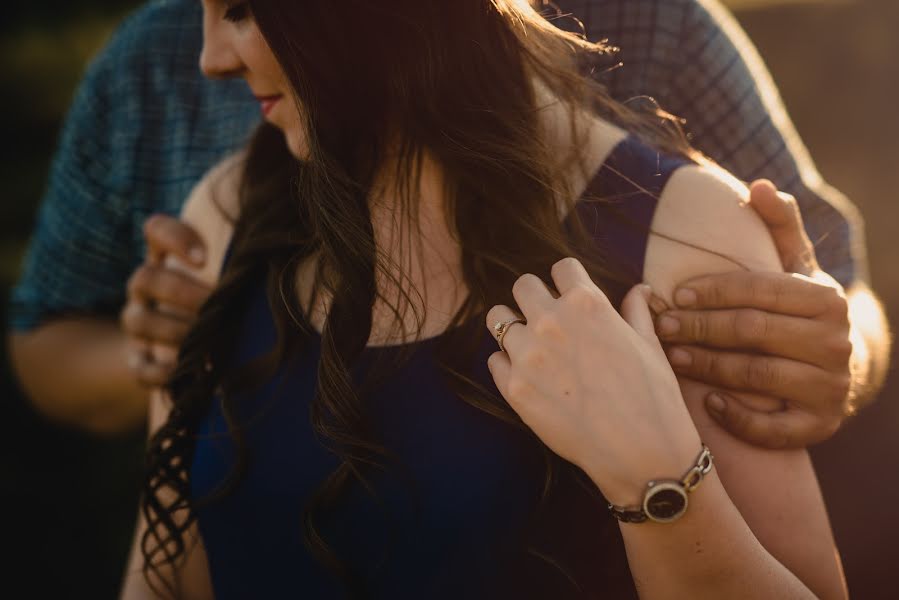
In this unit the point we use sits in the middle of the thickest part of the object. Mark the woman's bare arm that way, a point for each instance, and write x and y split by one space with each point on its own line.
210 210
190 576
765 522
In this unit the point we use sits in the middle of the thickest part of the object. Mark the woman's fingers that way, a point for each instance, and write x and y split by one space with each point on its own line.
513 338
635 311
569 273
499 365
532 295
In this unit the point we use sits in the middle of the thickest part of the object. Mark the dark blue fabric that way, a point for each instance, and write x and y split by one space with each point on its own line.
618 206
456 517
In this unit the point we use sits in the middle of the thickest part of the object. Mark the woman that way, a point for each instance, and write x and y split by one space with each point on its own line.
340 420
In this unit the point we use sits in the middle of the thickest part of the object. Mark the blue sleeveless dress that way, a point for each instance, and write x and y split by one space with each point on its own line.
464 517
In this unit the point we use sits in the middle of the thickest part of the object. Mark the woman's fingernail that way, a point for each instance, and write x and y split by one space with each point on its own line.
685 297
680 357
668 325
716 403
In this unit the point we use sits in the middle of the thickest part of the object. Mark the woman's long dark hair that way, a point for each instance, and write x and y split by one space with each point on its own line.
406 77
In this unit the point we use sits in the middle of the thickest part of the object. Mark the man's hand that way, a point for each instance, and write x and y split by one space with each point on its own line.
782 335
162 301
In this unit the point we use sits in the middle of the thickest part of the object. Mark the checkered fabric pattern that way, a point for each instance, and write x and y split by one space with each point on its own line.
145 126
693 58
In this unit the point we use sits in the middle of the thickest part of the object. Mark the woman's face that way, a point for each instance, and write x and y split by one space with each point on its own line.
233 46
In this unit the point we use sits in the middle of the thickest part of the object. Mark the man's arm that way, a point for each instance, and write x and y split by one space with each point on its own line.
734 113
65 344
693 57
101 369
762 333
75 372
121 157
740 121
95 372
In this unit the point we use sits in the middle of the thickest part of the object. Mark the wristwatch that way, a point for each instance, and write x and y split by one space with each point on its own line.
665 500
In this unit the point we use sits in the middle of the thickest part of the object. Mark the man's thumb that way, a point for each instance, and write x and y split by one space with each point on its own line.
780 214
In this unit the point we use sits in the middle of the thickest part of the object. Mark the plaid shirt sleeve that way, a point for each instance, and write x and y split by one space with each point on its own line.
735 115
77 260
696 61
142 129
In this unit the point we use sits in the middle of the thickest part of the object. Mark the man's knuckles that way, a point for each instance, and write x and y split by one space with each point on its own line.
140 321
759 372
162 284
748 327
839 348
131 318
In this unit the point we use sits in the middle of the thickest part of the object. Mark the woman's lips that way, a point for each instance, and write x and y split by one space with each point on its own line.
267 103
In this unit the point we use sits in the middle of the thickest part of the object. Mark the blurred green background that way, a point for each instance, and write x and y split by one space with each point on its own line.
70 499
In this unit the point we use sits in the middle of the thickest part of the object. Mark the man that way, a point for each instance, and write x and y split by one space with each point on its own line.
145 126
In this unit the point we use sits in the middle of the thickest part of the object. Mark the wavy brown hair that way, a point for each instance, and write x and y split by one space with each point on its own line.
406 78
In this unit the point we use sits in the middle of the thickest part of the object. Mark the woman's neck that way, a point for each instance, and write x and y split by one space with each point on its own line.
425 253
595 137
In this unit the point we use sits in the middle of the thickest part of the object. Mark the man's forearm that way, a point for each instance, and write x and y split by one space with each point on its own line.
872 342
74 370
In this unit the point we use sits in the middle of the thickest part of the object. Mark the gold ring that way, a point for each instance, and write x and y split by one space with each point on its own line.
502 327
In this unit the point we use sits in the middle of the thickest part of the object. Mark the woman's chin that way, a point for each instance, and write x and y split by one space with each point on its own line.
297 147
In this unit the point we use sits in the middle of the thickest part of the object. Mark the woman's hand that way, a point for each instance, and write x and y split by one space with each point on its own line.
594 385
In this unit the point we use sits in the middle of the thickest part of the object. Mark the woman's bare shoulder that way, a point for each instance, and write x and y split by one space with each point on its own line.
703 225
213 207
216 195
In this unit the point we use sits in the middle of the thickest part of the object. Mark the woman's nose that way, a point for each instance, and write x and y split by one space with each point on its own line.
218 59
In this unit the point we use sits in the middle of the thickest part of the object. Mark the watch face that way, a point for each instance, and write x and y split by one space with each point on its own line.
665 501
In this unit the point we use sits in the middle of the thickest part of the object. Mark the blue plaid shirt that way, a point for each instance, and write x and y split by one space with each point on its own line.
145 126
